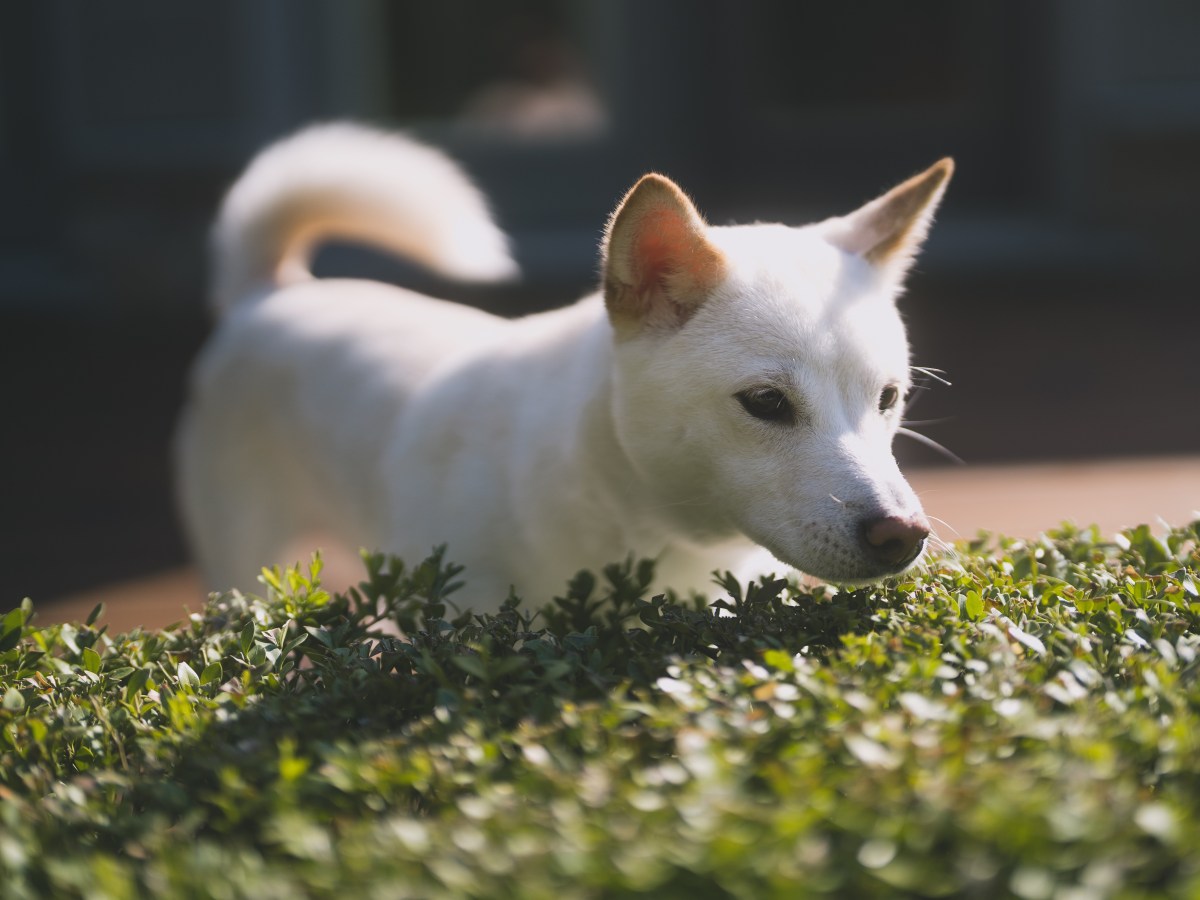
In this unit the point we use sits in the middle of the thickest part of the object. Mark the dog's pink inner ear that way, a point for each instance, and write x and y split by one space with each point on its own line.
889 230
659 264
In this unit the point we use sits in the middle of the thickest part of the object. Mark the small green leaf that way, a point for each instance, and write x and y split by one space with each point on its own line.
10 639
778 659
91 660
212 672
271 578
11 628
472 665
14 618
136 682
13 700
320 634
187 676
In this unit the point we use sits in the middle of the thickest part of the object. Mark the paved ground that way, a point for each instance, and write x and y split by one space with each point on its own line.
1018 500
1024 500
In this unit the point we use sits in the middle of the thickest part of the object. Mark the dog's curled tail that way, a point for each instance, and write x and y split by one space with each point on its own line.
350 181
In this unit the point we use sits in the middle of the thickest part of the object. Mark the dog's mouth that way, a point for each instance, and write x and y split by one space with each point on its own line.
903 564
897 555
912 557
862 576
877 551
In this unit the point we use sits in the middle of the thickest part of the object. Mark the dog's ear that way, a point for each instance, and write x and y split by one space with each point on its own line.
659 266
889 230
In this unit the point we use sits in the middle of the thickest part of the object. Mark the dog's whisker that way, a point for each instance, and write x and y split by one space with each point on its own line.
943 522
935 374
941 544
920 423
938 550
932 444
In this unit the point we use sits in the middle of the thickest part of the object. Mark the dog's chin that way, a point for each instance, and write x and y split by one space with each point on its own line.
851 573
867 574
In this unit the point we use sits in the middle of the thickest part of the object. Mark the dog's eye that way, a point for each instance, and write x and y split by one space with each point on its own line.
888 397
768 404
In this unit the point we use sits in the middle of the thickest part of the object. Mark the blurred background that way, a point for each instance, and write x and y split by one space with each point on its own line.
1058 290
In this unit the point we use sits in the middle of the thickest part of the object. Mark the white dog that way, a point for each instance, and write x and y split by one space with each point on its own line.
730 389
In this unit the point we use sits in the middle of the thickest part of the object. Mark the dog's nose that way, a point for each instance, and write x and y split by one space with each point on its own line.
894 541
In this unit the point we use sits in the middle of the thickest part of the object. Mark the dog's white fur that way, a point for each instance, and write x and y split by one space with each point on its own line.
369 415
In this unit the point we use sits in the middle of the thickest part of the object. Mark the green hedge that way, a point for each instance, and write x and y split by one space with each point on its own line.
1018 719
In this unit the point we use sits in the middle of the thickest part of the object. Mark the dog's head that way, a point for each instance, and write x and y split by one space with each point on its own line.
761 372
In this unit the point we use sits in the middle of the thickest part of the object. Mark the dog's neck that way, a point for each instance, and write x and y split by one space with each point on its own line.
624 508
